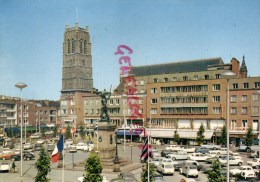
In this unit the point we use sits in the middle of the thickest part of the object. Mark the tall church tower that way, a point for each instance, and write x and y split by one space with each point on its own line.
77 61
77 80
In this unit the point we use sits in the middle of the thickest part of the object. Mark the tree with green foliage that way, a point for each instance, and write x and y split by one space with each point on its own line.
223 137
55 130
144 174
215 174
82 132
43 166
68 132
176 137
249 137
93 169
200 135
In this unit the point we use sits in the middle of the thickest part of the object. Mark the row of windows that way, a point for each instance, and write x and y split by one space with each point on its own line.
185 110
243 110
82 46
195 88
171 100
186 78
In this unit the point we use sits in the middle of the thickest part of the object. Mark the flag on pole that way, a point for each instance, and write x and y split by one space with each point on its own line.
144 153
58 149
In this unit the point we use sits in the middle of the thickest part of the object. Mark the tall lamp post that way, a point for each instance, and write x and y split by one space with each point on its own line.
258 93
21 86
228 75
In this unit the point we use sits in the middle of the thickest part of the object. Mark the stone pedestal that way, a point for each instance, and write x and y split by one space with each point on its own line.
106 140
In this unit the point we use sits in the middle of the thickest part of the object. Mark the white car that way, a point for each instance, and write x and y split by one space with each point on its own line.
40 141
198 157
236 155
155 161
254 162
4 166
223 151
232 161
188 149
69 142
180 155
173 148
246 170
27 146
189 170
212 153
36 135
72 149
155 153
82 146
165 168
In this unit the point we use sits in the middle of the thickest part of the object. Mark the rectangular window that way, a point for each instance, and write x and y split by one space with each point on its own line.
244 98
165 79
206 77
141 101
117 101
142 82
141 111
257 84
233 98
154 101
155 80
174 79
217 76
255 109
216 87
244 123
185 78
233 110
216 99
154 111
216 110
111 101
196 77
245 85
153 90
235 86
255 97
142 91
244 110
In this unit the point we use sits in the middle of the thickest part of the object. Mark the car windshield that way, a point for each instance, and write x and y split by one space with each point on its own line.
193 167
168 166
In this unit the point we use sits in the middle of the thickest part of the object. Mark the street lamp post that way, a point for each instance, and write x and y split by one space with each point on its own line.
228 75
258 93
21 86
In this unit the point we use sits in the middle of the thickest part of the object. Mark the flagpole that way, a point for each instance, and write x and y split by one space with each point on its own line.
149 147
63 159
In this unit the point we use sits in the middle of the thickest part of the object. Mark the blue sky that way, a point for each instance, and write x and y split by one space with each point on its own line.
31 37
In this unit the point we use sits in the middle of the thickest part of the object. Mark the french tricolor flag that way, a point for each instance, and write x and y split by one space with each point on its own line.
57 150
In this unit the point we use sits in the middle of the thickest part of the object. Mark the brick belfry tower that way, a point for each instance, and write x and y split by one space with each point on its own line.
77 80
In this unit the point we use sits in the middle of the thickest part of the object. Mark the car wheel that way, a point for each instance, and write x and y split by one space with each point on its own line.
173 158
248 150
196 176
240 163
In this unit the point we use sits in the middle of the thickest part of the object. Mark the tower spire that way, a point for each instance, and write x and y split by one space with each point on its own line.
243 68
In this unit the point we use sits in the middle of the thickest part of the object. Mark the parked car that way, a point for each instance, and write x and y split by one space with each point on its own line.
198 157
194 163
173 148
36 135
232 161
37 147
72 149
189 170
5 166
254 154
244 148
90 145
28 156
50 147
243 171
155 161
211 146
180 155
213 153
27 146
82 146
165 168
188 149
202 150
254 162
158 178
155 153
128 176
164 153
40 141
236 155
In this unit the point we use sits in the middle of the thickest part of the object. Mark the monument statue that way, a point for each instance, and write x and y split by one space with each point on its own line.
105 96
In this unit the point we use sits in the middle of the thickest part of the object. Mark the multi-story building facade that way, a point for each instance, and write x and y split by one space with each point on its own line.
8 111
